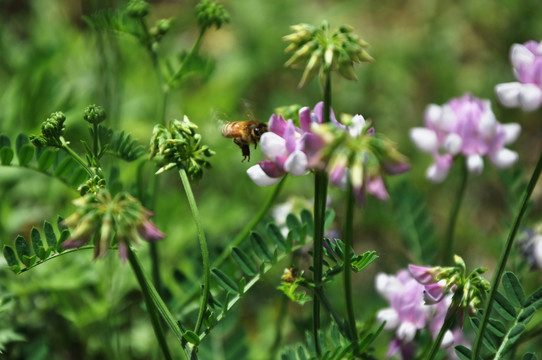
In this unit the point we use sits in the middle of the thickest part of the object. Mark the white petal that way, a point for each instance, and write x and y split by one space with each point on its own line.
511 132
452 143
530 97
503 158
488 123
508 94
273 145
537 249
260 177
390 316
358 122
448 118
447 340
436 174
424 139
519 55
296 164
475 164
406 332
432 114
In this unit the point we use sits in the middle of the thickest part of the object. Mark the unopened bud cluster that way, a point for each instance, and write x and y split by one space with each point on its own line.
92 185
439 281
210 13
137 8
94 114
318 50
51 131
178 145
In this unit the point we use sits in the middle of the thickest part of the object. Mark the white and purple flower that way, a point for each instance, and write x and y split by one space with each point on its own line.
464 126
525 93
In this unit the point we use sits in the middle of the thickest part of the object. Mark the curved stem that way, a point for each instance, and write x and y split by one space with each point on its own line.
504 257
239 238
448 321
348 249
203 247
447 246
76 157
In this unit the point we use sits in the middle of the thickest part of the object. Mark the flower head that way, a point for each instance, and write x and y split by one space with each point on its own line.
210 13
94 114
179 145
109 220
408 313
526 93
318 50
467 127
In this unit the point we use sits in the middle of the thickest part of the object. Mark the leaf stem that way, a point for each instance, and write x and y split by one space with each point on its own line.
348 249
504 257
203 247
447 246
76 157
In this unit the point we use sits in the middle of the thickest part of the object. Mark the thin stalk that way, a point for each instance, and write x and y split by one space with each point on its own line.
95 127
343 326
320 196
448 321
447 246
504 257
76 157
348 248
193 50
151 308
239 238
203 247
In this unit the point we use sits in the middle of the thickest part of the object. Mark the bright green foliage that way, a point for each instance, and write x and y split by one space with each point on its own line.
512 312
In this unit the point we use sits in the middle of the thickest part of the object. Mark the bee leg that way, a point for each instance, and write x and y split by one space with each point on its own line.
245 150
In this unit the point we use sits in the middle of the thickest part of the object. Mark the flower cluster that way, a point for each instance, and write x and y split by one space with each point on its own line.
408 313
51 131
526 93
210 13
94 114
350 152
178 145
110 220
439 281
316 49
464 126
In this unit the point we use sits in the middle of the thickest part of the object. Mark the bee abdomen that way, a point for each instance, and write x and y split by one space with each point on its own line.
231 130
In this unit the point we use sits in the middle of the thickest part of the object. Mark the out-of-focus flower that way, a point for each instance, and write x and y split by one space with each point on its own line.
526 93
408 313
178 145
464 126
94 114
530 244
319 50
438 282
109 220
210 13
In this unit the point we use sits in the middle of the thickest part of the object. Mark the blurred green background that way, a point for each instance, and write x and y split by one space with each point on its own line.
426 52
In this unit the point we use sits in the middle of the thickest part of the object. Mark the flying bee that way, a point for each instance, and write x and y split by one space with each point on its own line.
244 133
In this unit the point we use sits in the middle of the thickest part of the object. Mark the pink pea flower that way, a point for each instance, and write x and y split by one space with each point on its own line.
408 313
526 93
283 152
464 126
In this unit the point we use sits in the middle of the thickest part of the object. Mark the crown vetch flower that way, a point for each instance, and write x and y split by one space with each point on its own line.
408 313
465 126
110 220
526 93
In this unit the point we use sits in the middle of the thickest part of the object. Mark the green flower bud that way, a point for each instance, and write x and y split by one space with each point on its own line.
178 145
210 13
94 114
137 8
51 131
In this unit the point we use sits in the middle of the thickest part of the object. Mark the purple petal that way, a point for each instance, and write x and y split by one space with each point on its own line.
259 177
305 118
422 274
148 231
277 125
289 137
270 168
123 251
377 188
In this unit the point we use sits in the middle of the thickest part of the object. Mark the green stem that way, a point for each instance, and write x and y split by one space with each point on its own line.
320 197
504 257
95 126
448 321
203 246
343 326
348 249
151 309
239 238
447 247
193 50
76 157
